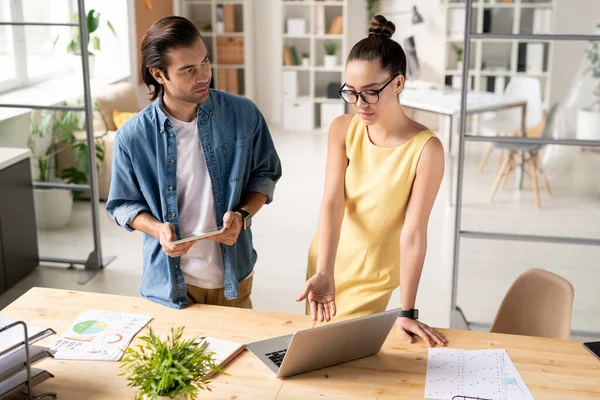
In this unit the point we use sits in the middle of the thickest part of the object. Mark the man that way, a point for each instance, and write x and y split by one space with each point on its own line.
194 160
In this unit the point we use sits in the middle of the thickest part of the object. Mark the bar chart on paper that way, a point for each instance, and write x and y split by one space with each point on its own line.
488 374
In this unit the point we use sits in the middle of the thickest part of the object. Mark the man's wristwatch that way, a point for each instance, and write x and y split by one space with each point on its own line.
246 218
413 313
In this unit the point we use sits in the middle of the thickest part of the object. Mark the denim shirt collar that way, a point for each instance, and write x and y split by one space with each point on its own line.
207 107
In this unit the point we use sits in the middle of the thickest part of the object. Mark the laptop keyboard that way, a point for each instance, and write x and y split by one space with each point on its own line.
277 356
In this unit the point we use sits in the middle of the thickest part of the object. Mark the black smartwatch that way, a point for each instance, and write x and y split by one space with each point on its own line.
246 218
413 313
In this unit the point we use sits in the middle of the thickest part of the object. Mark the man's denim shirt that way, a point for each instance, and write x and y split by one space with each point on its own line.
240 157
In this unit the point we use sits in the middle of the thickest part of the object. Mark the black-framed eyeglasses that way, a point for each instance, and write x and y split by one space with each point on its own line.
369 96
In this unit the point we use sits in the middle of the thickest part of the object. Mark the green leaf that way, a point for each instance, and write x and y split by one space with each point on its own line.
73 47
96 43
93 21
112 28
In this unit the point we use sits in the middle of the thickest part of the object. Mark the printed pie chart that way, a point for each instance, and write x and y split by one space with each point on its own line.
90 327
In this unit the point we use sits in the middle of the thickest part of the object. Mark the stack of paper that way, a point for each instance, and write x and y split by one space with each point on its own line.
14 357
224 351
11 338
488 374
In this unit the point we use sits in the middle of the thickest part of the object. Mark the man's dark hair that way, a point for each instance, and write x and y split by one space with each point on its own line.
166 34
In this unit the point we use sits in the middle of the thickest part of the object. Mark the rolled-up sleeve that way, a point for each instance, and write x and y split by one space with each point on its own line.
125 199
266 165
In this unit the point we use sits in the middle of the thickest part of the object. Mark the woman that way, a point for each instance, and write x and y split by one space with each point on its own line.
383 174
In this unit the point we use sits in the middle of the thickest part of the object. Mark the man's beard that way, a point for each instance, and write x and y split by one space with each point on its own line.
195 98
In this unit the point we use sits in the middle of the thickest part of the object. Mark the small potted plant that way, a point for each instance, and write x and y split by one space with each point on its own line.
588 119
458 53
175 369
330 48
93 40
305 59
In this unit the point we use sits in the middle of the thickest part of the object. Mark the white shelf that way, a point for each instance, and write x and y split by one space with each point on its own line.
536 5
320 68
543 74
298 98
296 68
489 51
457 72
484 72
298 3
340 3
314 79
228 66
327 36
229 34
305 36
328 100
499 5
207 15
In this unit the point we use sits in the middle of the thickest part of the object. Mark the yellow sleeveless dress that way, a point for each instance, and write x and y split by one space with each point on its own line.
378 184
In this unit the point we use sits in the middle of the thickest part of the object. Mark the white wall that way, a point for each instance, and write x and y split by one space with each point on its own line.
267 56
429 36
572 16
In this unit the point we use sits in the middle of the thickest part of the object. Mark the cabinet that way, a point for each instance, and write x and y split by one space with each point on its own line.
18 233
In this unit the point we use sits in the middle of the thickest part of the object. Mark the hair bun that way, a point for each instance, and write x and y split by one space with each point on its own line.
380 26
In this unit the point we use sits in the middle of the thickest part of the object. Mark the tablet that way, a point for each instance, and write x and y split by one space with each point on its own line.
197 236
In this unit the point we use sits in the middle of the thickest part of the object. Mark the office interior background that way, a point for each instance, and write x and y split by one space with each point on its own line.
519 207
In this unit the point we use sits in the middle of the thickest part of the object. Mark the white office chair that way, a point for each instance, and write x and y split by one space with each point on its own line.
508 122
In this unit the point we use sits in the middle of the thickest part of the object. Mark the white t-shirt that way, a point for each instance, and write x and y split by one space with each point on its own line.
202 266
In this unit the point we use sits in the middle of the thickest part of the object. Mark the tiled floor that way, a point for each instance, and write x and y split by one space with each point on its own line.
284 229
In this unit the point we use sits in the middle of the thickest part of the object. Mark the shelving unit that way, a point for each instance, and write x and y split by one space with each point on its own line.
493 62
225 29
310 97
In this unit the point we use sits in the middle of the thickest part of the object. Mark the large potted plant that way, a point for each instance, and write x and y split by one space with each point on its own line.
588 119
53 206
175 368
93 21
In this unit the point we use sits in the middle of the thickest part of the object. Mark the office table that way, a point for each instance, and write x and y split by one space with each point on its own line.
552 369
425 96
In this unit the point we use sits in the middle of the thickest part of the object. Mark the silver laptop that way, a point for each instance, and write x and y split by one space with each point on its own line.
325 345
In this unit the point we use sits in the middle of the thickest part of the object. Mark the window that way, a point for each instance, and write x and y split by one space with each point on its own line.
7 50
27 52
32 54
43 60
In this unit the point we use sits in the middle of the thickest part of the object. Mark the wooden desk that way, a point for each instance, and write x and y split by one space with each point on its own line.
552 369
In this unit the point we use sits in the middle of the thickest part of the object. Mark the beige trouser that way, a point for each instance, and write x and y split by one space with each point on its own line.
216 297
